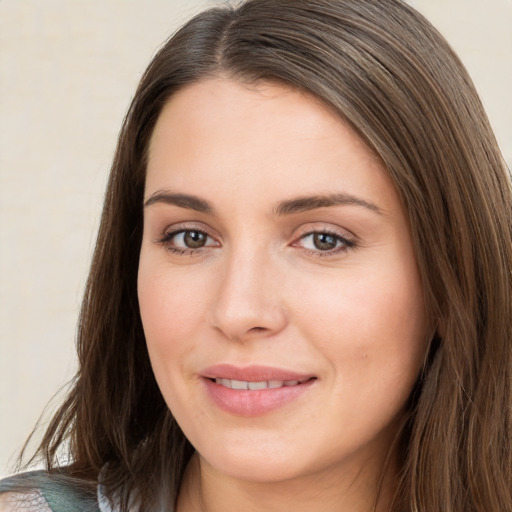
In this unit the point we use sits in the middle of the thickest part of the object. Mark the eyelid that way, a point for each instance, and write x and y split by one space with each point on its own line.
167 235
186 226
320 227
348 240
172 234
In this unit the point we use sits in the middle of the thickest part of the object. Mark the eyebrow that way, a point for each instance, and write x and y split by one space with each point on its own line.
287 207
182 200
306 203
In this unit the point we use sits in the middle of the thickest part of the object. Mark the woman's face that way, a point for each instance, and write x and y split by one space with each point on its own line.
278 286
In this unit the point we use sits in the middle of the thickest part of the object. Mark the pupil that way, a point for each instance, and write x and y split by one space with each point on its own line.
324 242
194 239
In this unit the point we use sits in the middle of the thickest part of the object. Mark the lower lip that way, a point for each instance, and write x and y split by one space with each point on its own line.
254 403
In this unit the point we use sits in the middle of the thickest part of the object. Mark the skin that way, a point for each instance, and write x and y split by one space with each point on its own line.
261 291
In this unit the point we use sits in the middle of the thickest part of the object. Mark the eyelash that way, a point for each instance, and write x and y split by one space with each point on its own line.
168 237
345 243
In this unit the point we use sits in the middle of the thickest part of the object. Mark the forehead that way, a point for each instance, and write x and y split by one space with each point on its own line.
205 107
263 138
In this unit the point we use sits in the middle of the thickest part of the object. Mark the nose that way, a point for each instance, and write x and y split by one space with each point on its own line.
249 302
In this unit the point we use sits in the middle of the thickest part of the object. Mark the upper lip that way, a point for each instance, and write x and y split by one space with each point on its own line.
254 373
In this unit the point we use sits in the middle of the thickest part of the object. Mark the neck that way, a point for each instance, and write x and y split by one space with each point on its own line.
334 490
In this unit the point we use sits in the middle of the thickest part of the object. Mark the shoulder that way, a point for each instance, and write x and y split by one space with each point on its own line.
23 502
40 491
17 495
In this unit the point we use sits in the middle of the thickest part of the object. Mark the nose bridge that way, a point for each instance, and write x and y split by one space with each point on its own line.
248 301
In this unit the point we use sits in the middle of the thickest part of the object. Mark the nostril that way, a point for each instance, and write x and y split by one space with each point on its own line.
256 329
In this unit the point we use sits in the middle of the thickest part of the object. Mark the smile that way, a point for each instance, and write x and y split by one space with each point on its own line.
254 390
255 386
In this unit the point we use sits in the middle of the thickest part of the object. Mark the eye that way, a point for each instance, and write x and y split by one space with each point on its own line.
319 242
190 239
187 240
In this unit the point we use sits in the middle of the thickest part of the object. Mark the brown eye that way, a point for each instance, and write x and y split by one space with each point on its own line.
187 240
194 239
324 241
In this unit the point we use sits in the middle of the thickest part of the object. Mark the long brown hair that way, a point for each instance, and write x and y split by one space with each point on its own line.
385 70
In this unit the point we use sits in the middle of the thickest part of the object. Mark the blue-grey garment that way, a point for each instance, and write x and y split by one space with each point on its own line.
60 494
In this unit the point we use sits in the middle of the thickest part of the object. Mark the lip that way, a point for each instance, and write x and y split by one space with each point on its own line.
254 402
252 373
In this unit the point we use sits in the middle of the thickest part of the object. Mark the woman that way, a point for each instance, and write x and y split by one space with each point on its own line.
300 297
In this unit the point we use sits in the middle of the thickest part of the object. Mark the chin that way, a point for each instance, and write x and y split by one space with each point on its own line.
257 469
256 462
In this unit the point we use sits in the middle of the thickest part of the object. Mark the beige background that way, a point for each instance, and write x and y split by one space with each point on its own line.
68 69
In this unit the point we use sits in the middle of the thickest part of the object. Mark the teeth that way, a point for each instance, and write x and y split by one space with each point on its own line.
239 384
270 384
258 385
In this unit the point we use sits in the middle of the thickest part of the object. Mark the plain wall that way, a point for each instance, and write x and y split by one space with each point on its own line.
68 70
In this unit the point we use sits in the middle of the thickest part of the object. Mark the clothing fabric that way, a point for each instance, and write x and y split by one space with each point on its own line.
52 492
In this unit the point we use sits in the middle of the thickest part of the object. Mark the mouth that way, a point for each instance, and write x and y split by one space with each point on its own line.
255 390
259 385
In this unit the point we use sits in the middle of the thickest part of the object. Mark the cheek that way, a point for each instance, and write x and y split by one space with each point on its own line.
170 309
169 316
371 307
171 305
370 325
